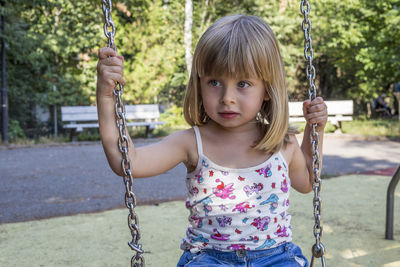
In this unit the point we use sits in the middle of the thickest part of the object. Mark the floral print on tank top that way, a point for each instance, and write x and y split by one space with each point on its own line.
233 209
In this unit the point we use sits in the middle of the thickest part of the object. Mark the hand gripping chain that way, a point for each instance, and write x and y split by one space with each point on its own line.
318 248
123 142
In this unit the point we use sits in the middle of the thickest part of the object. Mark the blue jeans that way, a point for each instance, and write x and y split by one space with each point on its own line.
284 255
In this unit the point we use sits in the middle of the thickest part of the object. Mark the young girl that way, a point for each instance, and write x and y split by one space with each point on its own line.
241 156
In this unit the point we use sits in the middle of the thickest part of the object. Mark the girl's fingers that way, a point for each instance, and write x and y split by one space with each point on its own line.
316 105
112 61
317 108
316 117
114 69
318 100
103 70
315 101
306 105
106 52
316 112
113 77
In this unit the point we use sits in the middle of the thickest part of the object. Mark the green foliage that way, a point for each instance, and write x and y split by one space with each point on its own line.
54 43
379 127
15 131
173 117
358 44
89 135
300 126
49 44
152 46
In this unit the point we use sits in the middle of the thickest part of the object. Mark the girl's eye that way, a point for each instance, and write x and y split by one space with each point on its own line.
243 84
214 83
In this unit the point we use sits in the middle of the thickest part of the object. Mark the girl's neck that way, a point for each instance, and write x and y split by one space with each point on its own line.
232 147
245 133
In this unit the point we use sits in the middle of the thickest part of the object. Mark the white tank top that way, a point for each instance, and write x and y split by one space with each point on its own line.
233 209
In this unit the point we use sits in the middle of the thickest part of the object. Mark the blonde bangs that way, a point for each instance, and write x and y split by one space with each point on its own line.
236 48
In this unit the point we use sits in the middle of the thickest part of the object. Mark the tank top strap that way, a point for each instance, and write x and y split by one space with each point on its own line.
198 140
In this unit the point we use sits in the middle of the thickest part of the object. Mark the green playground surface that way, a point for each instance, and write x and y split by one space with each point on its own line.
353 217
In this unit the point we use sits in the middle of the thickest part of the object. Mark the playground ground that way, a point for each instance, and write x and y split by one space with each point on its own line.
353 217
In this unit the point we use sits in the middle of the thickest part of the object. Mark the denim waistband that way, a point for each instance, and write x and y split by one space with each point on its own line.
239 255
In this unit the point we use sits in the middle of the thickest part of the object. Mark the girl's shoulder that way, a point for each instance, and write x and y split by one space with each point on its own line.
290 147
185 140
186 134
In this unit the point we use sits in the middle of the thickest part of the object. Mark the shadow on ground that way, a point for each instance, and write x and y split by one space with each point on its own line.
343 165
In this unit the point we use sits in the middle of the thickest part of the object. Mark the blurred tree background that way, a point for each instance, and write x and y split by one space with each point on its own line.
53 44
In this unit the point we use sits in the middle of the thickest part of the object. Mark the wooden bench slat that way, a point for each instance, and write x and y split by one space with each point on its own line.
338 111
80 117
89 113
96 125
332 119
339 107
144 123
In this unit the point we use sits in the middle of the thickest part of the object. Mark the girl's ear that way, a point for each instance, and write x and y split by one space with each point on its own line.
267 88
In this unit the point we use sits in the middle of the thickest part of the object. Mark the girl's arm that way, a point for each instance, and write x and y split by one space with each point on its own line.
300 167
145 161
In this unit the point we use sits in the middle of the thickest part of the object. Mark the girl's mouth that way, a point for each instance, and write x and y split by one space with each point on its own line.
228 114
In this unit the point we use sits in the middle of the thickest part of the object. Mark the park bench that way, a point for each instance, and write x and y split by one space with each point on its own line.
338 111
79 117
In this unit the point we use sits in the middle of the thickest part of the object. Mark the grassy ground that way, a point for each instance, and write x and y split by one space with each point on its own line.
353 218
379 127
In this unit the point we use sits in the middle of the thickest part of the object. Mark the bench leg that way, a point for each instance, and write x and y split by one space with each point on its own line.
72 135
337 124
149 131
339 127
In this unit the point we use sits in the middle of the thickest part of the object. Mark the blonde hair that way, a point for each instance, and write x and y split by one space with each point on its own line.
244 46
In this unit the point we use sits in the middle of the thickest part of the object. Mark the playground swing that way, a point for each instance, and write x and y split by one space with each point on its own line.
137 260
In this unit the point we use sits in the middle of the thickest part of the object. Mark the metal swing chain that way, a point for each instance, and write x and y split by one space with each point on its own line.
318 248
130 199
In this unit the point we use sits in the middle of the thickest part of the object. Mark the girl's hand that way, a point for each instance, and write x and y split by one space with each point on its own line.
316 112
110 70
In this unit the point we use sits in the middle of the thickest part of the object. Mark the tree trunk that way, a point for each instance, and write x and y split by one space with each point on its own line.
203 16
188 34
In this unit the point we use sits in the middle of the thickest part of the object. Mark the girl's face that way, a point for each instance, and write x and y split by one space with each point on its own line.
230 101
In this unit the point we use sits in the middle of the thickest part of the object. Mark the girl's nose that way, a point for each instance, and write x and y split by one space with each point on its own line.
228 95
